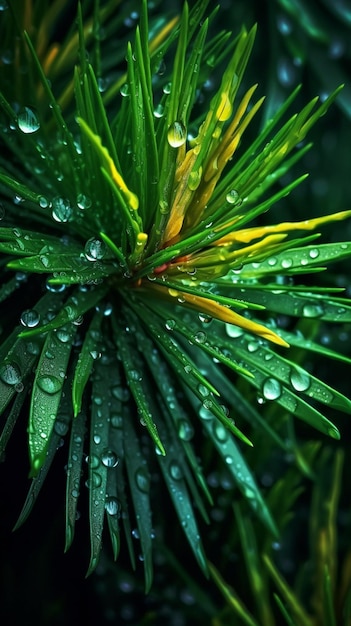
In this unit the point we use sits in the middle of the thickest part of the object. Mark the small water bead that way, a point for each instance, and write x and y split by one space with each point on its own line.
286 72
220 432
61 210
286 263
272 261
205 410
176 134
95 481
43 202
102 82
313 253
109 458
61 427
252 346
63 335
170 324
120 393
300 380
194 179
167 88
124 91
112 506
142 479
312 310
30 318
232 196
135 375
233 331
271 389
205 319
175 470
284 24
83 202
49 384
159 110
27 121
116 420
10 373
185 430
203 391
93 461
94 249
337 49
200 337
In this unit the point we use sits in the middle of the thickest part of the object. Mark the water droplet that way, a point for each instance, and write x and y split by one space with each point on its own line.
175 470
229 459
61 210
203 390
135 375
27 121
313 253
94 249
83 202
337 49
252 346
63 335
205 319
112 506
286 263
61 427
232 196
167 88
30 318
200 337
170 324
286 72
271 389
312 310
120 393
93 461
185 430
10 373
205 412
194 179
300 380
284 24
142 479
95 480
233 331
176 134
50 384
44 203
161 68
116 421
109 458
124 91
159 110
220 432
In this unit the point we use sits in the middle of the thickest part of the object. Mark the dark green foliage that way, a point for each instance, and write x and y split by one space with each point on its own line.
160 336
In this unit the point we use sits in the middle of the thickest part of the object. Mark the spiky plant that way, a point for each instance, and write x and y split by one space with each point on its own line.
141 289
